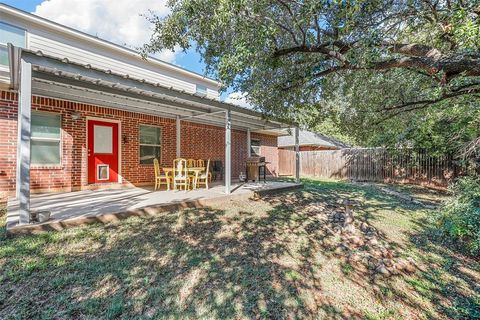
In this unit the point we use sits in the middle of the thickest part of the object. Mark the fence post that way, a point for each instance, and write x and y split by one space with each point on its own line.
297 155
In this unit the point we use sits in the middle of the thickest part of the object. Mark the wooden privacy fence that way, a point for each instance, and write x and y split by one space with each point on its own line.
286 160
373 164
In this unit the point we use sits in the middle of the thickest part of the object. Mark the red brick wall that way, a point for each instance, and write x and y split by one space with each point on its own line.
198 141
268 149
8 140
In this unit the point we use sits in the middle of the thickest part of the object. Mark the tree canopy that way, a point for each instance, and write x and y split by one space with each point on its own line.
358 63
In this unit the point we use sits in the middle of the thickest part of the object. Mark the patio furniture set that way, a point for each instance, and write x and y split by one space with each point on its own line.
185 173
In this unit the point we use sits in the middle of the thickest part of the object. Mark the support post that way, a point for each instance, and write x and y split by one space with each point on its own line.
249 144
178 137
228 151
297 155
23 141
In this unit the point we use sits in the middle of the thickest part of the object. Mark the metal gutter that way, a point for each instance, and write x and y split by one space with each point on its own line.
85 36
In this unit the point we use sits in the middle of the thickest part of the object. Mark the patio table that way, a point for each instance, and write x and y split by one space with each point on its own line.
195 170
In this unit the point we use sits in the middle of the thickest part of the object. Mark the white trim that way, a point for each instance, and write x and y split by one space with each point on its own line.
16 27
60 141
249 143
5 45
119 122
46 139
228 152
259 146
104 43
108 171
150 145
23 141
178 135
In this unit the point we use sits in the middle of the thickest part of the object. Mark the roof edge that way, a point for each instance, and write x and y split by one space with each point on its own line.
49 23
186 95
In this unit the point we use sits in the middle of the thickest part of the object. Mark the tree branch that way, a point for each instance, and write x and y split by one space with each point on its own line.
415 50
418 57
322 48
428 102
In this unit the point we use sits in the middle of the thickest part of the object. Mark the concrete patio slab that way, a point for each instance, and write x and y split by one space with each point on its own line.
90 206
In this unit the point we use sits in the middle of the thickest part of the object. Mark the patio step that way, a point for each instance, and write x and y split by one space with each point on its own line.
147 211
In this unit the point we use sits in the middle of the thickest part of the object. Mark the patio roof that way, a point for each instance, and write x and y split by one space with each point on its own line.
64 79
35 73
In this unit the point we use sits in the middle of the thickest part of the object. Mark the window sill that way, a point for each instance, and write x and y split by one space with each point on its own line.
46 167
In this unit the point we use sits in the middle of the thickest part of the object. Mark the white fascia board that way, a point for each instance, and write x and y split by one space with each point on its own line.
30 18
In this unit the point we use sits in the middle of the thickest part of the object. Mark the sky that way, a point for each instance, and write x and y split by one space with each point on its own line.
118 21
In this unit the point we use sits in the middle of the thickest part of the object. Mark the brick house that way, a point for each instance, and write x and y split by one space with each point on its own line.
96 114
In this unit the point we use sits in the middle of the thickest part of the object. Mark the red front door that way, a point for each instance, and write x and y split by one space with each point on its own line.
102 151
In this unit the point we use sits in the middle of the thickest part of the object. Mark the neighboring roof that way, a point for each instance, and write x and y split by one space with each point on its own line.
308 138
96 40
78 81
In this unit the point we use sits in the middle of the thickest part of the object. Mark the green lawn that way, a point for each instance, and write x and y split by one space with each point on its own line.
279 257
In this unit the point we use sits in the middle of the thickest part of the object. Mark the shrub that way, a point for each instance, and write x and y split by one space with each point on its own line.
459 217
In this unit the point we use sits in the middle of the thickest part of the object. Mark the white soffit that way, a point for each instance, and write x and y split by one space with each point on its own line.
106 88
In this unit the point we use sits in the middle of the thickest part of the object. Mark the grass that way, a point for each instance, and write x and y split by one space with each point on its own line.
268 258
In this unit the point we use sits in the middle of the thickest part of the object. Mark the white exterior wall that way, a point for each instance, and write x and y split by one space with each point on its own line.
54 41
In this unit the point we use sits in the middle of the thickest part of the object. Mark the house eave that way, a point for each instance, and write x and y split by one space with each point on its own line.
80 77
101 42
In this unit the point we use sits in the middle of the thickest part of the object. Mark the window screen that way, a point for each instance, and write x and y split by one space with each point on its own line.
46 138
10 34
255 147
150 144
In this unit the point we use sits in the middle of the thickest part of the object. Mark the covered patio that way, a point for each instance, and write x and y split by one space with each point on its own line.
33 73
71 209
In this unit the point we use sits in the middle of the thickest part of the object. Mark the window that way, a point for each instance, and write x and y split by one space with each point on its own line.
150 144
46 138
255 147
202 90
102 139
14 35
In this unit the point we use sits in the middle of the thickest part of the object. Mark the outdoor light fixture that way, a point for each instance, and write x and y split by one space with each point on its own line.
125 139
76 115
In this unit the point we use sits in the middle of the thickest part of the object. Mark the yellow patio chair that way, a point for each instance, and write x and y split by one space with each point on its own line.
180 174
191 163
159 176
200 163
204 177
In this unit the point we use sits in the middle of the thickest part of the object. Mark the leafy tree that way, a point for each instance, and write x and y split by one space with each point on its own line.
367 65
450 126
459 217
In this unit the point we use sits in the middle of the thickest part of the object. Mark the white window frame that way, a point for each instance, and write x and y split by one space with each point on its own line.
149 144
252 146
98 172
5 45
59 140
201 89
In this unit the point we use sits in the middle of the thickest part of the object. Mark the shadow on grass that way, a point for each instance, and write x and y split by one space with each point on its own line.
447 277
453 277
264 260
196 263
